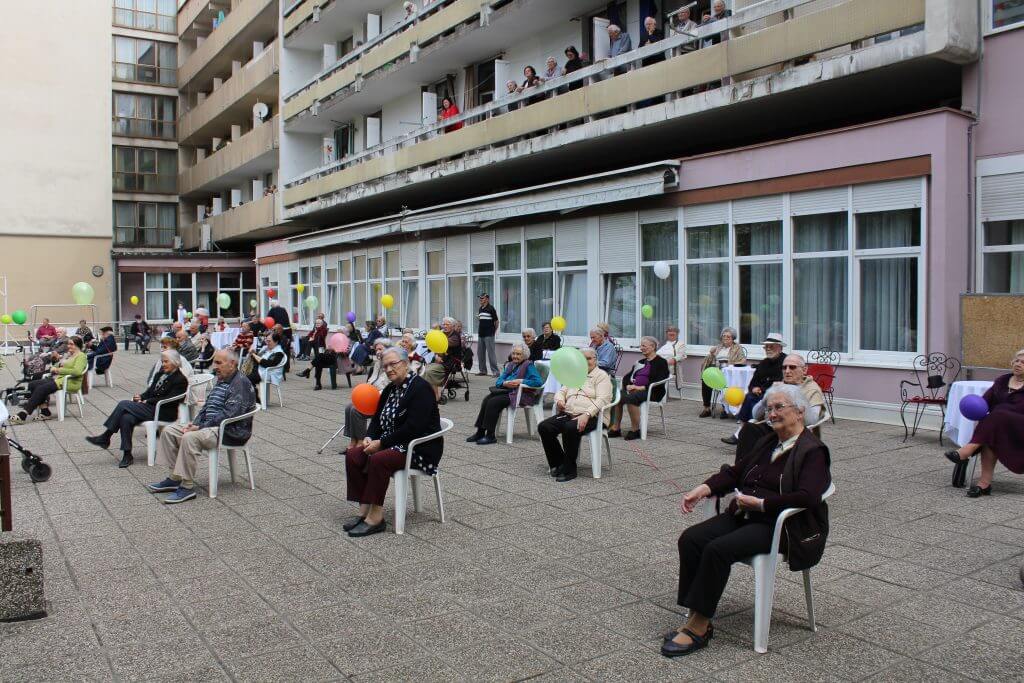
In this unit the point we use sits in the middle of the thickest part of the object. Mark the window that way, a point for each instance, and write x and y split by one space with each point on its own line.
1004 14
509 256
138 169
144 116
332 306
1003 261
659 242
572 301
143 224
620 304
510 303
888 248
411 302
759 284
148 15
436 303
820 277
539 282
707 283
482 284
164 291
145 61
458 300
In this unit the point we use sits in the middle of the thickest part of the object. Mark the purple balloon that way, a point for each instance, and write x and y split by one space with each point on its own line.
350 316
973 407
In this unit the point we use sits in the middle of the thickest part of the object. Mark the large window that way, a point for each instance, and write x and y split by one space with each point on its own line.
144 116
164 291
539 282
138 169
509 300
1003 257
435 286
820 272
145 61
1004 14
620 304
144 224
888 254
707 283
659 243
759 279
483 283
149 15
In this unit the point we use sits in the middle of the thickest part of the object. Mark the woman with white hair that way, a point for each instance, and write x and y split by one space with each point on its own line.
726 352
650 369
519 370
168 382
788 468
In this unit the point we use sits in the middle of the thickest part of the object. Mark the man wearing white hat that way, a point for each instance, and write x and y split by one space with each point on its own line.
768 372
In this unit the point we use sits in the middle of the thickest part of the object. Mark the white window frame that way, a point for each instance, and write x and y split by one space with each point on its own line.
987 168
506 335
528 271
988 18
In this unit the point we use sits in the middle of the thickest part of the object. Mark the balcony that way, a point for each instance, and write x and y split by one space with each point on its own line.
231 166
255 82
250 21
144 237
576 120
248 221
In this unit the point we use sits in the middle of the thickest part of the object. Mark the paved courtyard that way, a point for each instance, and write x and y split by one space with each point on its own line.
528 579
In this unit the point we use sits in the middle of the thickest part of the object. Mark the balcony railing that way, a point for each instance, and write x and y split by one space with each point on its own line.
144 237
231 157
600 88
241 16
233 223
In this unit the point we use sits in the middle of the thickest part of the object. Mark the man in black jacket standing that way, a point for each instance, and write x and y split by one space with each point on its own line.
486 328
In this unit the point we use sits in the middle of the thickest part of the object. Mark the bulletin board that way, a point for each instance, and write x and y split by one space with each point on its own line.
991 329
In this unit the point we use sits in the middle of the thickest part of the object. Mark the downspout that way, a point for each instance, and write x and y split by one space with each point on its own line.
972 231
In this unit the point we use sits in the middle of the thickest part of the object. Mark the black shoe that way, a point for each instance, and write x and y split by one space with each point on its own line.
364 529
98 441
672 649
476 437
126 460
953 457
704 413
317 388
731 440
304 374
486 441
977 492
555 471
352 523
725 415
565 476
631 436
614 433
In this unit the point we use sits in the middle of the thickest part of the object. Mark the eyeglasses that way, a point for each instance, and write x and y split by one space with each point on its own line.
392 364
778 407
791 367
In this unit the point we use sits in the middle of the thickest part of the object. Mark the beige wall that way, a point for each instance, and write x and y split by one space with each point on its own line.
42 270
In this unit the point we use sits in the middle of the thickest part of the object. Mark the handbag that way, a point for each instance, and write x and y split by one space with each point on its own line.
248 365
960 474
497 390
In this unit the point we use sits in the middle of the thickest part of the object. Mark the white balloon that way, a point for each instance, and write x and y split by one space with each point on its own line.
662 270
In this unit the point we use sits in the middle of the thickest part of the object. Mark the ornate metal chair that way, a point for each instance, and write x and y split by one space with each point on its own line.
822 366
933 375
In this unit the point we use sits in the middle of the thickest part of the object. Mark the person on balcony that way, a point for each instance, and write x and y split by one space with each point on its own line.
652 34
718 12
650 369
572 61
682 23
619 43
550 69
450 111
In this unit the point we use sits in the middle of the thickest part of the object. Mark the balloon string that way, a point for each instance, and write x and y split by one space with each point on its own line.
647 460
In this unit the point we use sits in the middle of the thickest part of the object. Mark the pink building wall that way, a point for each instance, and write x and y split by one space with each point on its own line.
999 130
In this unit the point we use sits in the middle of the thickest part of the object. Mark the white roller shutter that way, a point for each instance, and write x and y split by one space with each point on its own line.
1002 197
657 216
706 214
375 252
830 200
757 209
507 236
537 231
481 246
892 194
410 255
436 244
618 243
457 254
571 240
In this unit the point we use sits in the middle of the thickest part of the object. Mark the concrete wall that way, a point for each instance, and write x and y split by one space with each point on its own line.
1002 97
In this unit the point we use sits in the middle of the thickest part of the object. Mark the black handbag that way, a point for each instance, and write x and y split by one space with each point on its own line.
960 474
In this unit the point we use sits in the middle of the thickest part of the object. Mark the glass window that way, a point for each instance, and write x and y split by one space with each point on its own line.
375 268
509 304
391 264
1006 13
707 301
539 299
572 302
483 267
1003 262
435 263
359 305
149 15
663 297
759 239
156 280
144 116
482 284
819 232
707 242
760 291
145 61
658 242
436 303
889 229
458 299
620 304
820 300
157 306
411 303
509 256
539 253
139 169
345 269
888 304
144 224
360 267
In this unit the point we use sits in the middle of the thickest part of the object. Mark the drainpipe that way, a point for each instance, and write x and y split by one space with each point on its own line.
972 231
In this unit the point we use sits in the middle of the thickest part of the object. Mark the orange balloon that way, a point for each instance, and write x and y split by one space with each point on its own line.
365 398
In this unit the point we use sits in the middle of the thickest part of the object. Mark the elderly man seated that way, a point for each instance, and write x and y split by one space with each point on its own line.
767 373
607 356
186 348
46 332
180 446
794 372
141 333
446 362
100 356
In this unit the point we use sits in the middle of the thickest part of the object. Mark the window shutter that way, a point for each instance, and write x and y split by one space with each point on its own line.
1002 197
410 255
706 214
657 216
456 254
618 243
893 194
375 252
535 231
571 240
507 236
830 200
757 209
436 244
481 246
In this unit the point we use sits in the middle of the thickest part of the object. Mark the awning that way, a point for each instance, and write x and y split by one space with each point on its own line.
561 197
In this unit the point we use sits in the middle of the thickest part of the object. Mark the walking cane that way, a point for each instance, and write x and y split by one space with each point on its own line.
333 436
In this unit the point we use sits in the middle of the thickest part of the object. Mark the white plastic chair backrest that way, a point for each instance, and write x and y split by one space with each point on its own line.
230 420
789 512
198 385
446 425
650 389
162 402
825 417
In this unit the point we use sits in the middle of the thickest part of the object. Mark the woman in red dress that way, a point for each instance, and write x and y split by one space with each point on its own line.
1000 434
449 110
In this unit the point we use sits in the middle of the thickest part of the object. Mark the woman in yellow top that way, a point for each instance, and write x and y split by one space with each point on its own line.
67 374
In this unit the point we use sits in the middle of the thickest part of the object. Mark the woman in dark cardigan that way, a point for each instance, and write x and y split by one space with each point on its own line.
406 410
786 469
1000 434
648 370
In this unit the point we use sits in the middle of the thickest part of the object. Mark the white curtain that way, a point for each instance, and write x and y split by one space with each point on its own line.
620 304
663 297
707 301
760 301
411 302
539 300
482 284
457 299
1004 271
820 303
888 304
436 304
572 303
510 300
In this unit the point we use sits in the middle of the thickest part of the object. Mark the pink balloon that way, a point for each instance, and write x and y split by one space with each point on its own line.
338 342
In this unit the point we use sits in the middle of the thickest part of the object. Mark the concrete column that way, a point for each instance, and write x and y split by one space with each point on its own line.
330 54
257 188
218 206
236 197
200 98
236 66
236 132
217 82
257 48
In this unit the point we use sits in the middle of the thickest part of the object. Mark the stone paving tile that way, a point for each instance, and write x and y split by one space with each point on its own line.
527 579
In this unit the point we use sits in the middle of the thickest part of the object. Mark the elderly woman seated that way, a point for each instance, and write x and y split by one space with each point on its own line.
576 414
674 352
520 370
267 361
788 468
651 368
206 350
406 411
607 356
65 374
726 352
168 382
355 422
1000 434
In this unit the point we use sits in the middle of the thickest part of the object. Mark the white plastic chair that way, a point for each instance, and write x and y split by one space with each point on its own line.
62 397
153 427
645 407
764 566
214 454
265 385
600 435
108 377
197 386
405 479
534 414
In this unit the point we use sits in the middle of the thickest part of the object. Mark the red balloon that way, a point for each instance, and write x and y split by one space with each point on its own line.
365 398
271 293
269 322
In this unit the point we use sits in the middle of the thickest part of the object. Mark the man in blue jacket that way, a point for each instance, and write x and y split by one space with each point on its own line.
100 355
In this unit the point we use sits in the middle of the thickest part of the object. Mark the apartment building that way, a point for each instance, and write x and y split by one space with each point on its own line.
836 170
55 132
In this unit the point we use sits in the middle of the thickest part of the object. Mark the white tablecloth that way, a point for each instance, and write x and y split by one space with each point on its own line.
957 427
552 385
225 338
735 376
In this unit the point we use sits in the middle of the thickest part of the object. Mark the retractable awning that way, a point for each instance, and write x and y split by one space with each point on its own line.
560 197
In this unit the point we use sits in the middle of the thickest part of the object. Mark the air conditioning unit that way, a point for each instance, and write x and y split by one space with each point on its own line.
205 242
177 242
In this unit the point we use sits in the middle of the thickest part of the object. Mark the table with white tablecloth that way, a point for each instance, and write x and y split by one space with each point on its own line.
551 385
224 339
735 376
958 428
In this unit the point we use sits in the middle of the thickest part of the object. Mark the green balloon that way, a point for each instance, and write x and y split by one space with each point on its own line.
82 293
5 319
224 300
714 378
312 302
19 317
647 311
569 367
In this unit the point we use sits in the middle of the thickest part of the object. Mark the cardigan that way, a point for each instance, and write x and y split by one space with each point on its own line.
69 374
417 416
736 356
174 384
530 376
659 371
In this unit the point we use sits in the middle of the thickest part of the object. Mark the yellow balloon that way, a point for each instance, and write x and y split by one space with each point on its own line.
387 301
134 300
437 341
558 323
733 396
301 287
